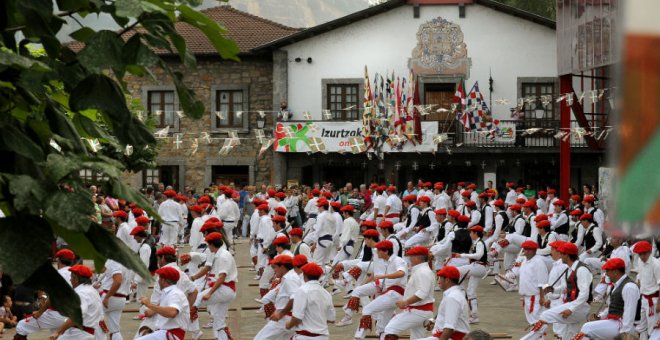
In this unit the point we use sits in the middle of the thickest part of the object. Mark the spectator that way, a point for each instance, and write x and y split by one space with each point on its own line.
7 318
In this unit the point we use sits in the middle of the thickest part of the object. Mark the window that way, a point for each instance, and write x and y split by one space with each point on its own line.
342 101
543 107
150 177
161 103
166 174
229 103
89 176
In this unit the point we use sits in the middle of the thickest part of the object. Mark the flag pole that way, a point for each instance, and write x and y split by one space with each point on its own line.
490 89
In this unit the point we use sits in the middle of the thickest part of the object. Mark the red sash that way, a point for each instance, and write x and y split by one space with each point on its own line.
89 330
649 299
230 284
306 333
175 332
397 289
613 317
116 295
427 307
393 215
454 336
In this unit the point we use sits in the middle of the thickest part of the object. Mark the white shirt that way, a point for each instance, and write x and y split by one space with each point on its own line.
291 204
65 273
195 234
111 269
533 274
313 306
288 286
350 231
624 253
475 197
394 264
558 219
184 213
339 226
172 296
325 225
452 312
254 223
170 211
479 250
421 284
597 233
144 252
304 250
556 275
598 216
379 203
91 305
223 263
475 217
184 284
488 219
499 224
551 237
441 201
228 211
630 295
543 205
124 234
510 197
394 202
414 216
266 231
648 275
310 207
519 225
584 280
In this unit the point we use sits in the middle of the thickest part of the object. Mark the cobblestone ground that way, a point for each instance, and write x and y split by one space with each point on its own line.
500 312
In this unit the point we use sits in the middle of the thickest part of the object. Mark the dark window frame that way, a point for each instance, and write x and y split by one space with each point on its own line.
342 113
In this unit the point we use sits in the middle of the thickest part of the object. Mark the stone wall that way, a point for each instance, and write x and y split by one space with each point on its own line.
253 73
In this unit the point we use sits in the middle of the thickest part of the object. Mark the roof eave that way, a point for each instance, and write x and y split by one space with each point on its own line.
518 13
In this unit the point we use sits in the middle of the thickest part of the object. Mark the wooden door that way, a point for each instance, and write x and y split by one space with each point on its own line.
440 96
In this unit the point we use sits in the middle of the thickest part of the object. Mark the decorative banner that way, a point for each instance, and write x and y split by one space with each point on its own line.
505 135
337 137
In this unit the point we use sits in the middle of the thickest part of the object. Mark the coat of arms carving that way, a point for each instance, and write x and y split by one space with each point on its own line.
440 49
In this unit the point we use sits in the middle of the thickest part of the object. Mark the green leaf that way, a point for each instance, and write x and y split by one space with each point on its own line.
191 106
88 128
187 58
15 140
9 58
121 190
102 93
80 245
60 293
70 209
134 8
64 132
136 53
102 51
227 48
59 166
83 34
72 5
27 191
21 234
110 246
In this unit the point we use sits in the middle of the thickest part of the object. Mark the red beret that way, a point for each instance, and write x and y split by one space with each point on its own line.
559 202
520 200
417 250
529 245
386 224
441 212
210 225
312 269
449 272
463 218
552 191
166 251
271 192
470 204
384 245
299 260
281 240
66 254
322 202
576 212
642 247
213 236
510 184
391 188
282 260
461 184
184 259
335 204
369 223
466 193
515 207
484 195
280 195
540 217
168 273
529 204
556 244
204 199
472 186
263 207
586 217
296 232
137 212
169 193
543 224
197 208
614 263
370 233
576 198
477 228
589 199
568 248
281 210
142 220
381 188
316 192
410 198
257 202
137 230
212 219
347 208
454 213
438 185
498 203
326 194
81 270
542 193
520 189
120 213
424 199
132 205
182 198
278 218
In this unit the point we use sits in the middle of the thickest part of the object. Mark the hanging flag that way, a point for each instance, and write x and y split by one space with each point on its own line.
458 105
479 115
368 113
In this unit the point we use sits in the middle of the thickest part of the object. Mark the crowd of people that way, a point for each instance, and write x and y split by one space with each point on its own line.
387 250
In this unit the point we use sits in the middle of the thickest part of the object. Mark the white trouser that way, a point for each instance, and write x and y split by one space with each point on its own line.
553 316
458 262
229 230
532 308
168 233
276 330
322 255
160 334
475 272
362 292
409 319
385 305
343 254
142 288
586 255
422 238
562 237
511 251
601 329
394 220
244 226
262 259
655 334
648 320
76 334
266 277
218 305
113 316
302 337
557 328
50 319
441 251
149 322
398 227
254 247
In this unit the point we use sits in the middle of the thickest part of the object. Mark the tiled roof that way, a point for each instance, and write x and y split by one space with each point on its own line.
247 30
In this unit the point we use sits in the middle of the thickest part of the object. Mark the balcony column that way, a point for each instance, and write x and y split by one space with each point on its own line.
565 86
